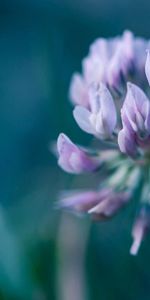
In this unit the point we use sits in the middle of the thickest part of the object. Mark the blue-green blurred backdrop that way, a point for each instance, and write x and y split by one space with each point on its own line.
45 254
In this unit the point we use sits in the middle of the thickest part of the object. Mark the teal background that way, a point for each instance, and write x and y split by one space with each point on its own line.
44 253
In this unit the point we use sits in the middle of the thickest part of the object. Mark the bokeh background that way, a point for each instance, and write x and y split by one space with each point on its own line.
44 253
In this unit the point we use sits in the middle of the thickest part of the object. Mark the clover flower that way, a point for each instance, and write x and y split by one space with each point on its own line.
100 120
112 103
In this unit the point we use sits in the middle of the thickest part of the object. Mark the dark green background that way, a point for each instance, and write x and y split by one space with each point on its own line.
45 254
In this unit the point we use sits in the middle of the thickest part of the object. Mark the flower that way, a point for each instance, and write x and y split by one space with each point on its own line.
135 115
72 159
101 119
112 103
111 61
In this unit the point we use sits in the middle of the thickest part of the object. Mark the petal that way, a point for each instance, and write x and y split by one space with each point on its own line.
80 201
64 144
126 142
94 69
140 228
108 109
82 117
73 159
109 205
147 121
128 45
64 163
114 67
135 96
94 98
100 48
147 66
65 149
138 235
140 46
82 162
78 90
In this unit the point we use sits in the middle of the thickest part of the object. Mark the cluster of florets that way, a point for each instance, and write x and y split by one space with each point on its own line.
110 105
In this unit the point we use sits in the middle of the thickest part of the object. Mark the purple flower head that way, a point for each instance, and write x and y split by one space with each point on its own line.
135 115
72 159
140 228
117 113
100 120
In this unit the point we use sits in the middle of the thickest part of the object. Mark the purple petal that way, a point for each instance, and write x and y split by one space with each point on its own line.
147 66
72 159
135 97
65 148
128 45
140 228
135 112
126 142
147 120
94 98
78 91
108 109
82 117
64 143
81 162
109 205
80 201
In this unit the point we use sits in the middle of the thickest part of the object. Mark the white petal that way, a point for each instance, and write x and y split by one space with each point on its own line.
82 117
108 108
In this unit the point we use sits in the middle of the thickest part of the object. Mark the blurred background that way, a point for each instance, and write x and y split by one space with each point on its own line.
44 253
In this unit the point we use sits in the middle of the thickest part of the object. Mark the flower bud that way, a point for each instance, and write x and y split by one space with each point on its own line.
101 119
